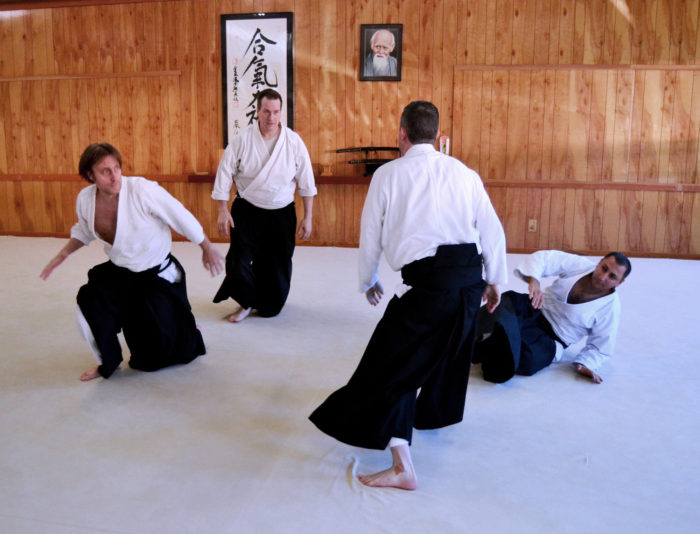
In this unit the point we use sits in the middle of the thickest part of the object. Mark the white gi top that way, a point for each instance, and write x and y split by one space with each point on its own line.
145 214
420 201
597 319
265 180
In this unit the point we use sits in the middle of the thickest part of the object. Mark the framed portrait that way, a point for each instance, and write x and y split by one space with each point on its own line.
256 54
380 52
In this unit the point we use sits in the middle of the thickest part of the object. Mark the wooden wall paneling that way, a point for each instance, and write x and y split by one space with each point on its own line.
543 222
408 89
32 109
622 116
666 50
5 141
651 127
635 150
207 77
622 35
39 40
610 223
663 214
155 90
6 50
470 123
499 126
561 116
668 95
674 225
314 118
570 221
125 92
524 31
684 230
19 130
535 135
448 15
597 147
53 206
548 127
609 117
692 155
650 204
566 20
503 43
514 215
108 36
541 31
142 140
18 45
458 118
489 29
81 119
462 16
475 32
680 133
580 29
363 90
328 109
351 83
694 226
5 207
630 225
486 116
579 126
341 74
516 127
558 219
427 52
533 210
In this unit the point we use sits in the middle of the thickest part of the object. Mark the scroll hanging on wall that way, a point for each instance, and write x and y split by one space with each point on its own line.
257 53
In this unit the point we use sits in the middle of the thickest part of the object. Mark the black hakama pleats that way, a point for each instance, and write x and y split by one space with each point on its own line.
521 342
424 341
259 261
154 314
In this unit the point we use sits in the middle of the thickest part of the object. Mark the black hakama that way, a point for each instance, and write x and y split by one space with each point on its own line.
154 314
521 342
424 341
259 261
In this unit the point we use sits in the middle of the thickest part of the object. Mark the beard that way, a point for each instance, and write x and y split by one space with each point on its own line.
380 64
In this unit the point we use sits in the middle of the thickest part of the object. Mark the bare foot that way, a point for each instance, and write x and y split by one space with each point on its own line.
90 375
238 316
400 475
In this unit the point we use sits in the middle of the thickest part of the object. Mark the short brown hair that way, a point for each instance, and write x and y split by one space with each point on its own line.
268 93
92 155
420 119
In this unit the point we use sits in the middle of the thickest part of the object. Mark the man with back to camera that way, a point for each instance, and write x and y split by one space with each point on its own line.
529 331
267 162
433 220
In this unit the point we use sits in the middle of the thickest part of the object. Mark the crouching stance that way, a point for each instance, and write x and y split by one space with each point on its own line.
141 289
529 331
433 220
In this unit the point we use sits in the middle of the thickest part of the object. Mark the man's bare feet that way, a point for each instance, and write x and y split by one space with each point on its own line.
90 375
239 315
585 371
400 475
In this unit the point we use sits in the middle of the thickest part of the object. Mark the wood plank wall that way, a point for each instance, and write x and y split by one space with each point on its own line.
146 76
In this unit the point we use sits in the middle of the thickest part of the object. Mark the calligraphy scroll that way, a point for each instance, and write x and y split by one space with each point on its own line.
256 52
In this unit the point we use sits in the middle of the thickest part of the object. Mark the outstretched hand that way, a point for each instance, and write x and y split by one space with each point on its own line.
585 371
492 296
374 294
224 222
55 262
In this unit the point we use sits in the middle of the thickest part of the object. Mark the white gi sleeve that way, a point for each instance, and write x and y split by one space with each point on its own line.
304 175
81 229
601 341
492 238
544 263
168 209
225 172
371 234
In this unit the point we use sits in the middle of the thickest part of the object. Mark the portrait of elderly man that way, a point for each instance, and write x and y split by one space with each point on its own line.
379 61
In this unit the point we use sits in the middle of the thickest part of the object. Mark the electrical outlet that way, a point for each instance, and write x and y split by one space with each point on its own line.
532 225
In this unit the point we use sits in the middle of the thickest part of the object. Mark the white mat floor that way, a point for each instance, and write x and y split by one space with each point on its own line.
224 445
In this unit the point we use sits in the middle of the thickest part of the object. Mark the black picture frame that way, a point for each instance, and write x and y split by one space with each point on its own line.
367 73
257 52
